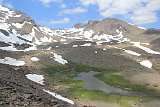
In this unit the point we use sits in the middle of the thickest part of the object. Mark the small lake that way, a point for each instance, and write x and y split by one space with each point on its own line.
92 83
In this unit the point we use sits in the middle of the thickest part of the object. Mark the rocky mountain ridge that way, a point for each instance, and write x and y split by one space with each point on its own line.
19 31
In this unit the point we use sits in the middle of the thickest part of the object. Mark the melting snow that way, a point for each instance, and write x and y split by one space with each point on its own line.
36 78
11 61
12 48
87 44
49 48
63 40
34 59
18 25
146 63
75 46
59 59
32 48
145 44
117 31
148 50
8 13
57 46
88 34
59 96
55 41
100 43
132 53
17 16
40 80
47 31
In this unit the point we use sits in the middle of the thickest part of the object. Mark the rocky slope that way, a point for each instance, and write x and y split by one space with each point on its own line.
19 31
110 25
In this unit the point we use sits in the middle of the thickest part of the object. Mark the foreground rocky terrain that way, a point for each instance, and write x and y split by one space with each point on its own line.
38 65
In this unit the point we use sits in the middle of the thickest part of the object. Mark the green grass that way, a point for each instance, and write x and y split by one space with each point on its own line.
114 79
111 77
99 96
62 73
66 76
84 68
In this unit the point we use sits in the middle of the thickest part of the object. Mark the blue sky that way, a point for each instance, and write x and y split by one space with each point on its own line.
65 13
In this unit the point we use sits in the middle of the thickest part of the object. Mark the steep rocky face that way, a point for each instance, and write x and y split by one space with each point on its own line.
16 28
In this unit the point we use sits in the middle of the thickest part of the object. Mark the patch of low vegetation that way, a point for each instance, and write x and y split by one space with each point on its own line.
158 68
92 95
113 78
66 75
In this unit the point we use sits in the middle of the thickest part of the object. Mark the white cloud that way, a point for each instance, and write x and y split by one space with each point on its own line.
138 11
63 6
64 20
74 11
143 16
47 2
9 5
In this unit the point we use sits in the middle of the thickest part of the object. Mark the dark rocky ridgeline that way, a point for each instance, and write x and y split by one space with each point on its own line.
3 44
17 91
152 31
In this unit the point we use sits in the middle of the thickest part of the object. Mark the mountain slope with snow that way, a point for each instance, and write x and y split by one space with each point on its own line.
109 43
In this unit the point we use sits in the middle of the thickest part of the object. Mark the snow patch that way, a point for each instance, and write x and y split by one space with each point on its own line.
117 31
58 96
145 44
47 31
11 61
148 50
146 63
63 40
75 46
12 48
86 44
99 43
49 48
59 59
34 59
17 15
36 78
132 52
18 25
88 34
57 46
